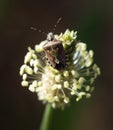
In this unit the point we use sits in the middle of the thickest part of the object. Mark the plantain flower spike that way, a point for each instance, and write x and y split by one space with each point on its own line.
63 69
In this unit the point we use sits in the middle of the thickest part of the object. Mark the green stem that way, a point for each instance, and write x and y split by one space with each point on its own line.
47 118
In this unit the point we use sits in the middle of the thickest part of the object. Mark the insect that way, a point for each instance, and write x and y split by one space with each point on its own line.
54 51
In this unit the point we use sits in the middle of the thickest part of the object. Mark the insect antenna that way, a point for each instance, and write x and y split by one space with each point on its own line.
58 21
35 29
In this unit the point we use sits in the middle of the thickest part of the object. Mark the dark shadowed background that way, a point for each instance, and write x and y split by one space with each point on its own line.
20 109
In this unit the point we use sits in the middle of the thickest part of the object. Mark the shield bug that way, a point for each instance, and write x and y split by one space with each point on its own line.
54 52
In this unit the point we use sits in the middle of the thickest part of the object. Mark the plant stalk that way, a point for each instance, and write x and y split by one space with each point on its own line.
47 118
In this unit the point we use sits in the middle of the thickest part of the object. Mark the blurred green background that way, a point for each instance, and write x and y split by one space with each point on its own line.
93 19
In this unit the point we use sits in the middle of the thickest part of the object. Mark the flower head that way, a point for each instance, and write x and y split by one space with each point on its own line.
60 69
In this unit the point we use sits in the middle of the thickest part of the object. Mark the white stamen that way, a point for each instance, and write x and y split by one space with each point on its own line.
22 69
28 70
27 57
24 83
24 76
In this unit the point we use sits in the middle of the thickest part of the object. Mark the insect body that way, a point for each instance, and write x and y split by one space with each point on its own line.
54 52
